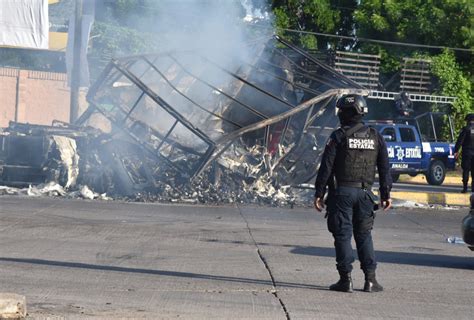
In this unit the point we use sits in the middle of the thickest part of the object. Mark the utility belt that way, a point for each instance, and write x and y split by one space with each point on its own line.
359 185
367 187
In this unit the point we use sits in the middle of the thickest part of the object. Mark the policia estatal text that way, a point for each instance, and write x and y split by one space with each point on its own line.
348 170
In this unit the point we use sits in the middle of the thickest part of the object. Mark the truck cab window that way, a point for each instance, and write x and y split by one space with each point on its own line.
389 134
407 135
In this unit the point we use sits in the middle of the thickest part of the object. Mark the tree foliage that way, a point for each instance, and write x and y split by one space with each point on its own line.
432 22
346 25
306 15
114 35
452 82
447 23
110 41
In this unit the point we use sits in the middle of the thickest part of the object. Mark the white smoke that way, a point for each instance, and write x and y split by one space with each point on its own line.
254 14
221 31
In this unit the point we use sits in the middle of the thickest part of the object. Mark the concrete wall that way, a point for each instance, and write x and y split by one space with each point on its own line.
35 97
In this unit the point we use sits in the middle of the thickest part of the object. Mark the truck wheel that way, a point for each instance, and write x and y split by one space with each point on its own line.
395 177
436 173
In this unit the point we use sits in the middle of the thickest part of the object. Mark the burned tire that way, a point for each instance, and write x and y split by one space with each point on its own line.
395 177
436 173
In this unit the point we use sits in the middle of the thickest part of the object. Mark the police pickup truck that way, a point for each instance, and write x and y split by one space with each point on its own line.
414 148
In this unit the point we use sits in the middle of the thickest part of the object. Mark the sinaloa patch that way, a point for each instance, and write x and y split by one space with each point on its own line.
358 143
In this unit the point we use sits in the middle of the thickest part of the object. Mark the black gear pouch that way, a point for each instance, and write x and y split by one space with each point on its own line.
374 199
329 202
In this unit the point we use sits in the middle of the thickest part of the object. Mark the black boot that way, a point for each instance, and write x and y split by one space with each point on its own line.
464 189
371 284
344 284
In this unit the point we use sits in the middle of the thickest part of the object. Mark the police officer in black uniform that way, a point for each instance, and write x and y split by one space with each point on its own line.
466 141
350 157
404 105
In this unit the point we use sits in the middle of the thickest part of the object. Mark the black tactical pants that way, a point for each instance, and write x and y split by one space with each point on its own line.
467 164
351 211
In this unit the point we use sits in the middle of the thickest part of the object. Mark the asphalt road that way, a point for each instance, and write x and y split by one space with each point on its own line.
108 260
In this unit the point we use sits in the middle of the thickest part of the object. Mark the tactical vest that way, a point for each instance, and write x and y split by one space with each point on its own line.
357 156
470 137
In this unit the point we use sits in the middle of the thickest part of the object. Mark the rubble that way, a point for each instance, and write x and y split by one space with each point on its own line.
52 189
68 158
183 126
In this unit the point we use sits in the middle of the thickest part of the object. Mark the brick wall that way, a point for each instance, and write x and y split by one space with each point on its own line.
35 97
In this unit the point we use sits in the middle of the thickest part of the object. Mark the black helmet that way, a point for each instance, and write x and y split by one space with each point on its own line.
470 117
404 95
353 101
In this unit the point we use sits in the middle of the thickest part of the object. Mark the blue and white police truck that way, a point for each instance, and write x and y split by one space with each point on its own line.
415 146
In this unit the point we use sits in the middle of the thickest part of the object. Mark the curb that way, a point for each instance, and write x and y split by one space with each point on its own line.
429 198
440 198
455 181
432 198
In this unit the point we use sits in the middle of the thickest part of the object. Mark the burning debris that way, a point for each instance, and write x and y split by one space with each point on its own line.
185 126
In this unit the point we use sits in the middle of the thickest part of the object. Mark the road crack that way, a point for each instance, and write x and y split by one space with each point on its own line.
274 290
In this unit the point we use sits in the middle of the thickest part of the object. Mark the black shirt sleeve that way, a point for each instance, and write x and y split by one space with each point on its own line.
327 165
383 167
460 140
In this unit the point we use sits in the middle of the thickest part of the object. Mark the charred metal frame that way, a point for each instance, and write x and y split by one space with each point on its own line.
334 84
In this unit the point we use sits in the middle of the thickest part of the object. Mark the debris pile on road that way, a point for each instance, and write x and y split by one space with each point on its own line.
52 189
185 126
232 187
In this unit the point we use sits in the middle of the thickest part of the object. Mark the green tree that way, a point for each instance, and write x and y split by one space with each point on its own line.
305 15
452 82
346 26
434 22
447 23
431 22
110 41
116 32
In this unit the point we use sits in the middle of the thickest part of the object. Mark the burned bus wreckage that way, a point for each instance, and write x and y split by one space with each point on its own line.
189 126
